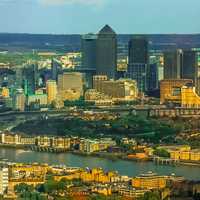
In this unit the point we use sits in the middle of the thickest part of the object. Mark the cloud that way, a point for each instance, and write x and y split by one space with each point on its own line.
82 2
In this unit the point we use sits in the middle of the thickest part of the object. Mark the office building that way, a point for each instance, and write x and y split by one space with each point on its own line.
170 90
173 61
138 72
97 81
138 62
107 52
138 50
88 61
88 49
190 64
19 100
122 89
190 68
56 68
153 77
70 85
19 77
155 73
51 88
30 75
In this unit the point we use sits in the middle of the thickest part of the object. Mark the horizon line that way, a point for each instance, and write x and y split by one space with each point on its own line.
28 33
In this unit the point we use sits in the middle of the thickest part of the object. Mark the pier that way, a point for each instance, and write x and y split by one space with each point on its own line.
165 161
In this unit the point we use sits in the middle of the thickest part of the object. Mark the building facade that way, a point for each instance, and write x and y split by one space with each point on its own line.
138 62
70 85
51 87
173 61
106 52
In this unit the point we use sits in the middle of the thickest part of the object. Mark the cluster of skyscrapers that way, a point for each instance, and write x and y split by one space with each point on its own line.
99 55
99 76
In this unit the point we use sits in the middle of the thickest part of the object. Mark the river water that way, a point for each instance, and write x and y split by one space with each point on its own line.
130 168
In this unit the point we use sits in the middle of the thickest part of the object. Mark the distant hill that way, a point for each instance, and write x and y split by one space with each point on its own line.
63 43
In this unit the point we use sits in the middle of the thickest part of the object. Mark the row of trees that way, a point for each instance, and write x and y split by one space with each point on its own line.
152 130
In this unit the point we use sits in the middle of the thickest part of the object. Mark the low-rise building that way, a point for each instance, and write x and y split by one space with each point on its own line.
43 141
132 192
149 181
60 143
3 179
102 189
31 174
39 99
190 155
90 146
27 140
8 138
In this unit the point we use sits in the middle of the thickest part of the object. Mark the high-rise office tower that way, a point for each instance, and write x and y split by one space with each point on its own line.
189 69
190 64
173 61
55 69
88 49
19 77
138 62
88 62
138 50
51 88
153 77
31 76
107 52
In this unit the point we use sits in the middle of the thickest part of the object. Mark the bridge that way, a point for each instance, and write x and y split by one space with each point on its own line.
165 161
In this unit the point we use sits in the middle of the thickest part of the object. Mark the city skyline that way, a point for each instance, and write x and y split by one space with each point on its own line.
74 16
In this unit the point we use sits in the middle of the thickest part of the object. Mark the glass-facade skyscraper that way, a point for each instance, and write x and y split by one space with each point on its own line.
172 64
88 49
107 52
138 62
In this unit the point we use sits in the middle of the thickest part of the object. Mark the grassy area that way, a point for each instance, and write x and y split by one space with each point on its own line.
20 58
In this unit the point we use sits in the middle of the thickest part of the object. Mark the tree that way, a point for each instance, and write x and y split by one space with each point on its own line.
151 196
161 153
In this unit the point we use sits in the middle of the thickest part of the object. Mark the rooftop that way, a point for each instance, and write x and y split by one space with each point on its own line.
107 30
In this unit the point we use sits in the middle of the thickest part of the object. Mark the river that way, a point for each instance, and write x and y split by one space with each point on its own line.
124 167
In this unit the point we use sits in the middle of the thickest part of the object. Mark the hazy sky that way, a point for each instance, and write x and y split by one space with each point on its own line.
83 16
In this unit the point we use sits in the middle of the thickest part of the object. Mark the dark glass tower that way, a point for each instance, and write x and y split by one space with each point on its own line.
138 62
189 68
88 49
138 50
30 75
107 52
56 68
89 52
190 64
173 61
